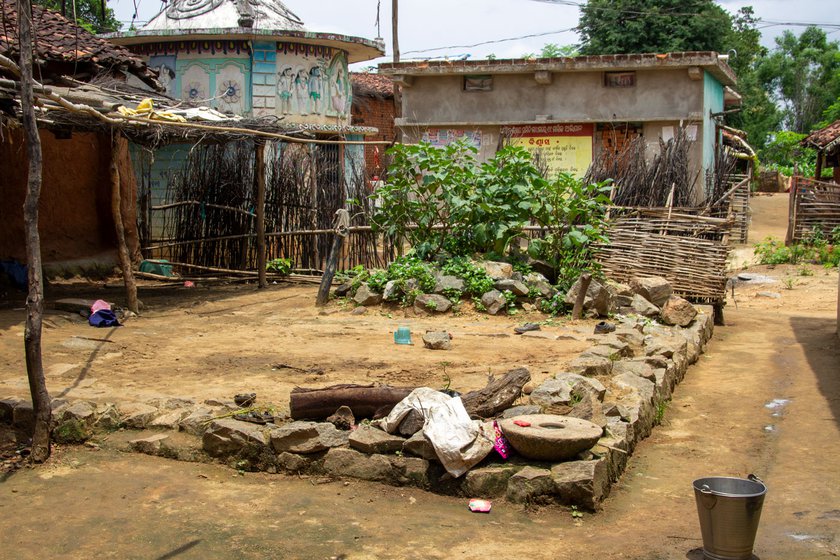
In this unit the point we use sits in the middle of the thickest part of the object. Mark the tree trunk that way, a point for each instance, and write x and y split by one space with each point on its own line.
35 298
259 160
585 281
366 401
122 247
500 394
329 272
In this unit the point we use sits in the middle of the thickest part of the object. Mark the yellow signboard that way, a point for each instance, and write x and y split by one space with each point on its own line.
563 148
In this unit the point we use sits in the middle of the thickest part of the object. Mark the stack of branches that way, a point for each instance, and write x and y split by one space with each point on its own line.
643 183
720 180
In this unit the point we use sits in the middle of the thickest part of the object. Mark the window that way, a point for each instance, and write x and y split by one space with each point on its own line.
478 83
620 79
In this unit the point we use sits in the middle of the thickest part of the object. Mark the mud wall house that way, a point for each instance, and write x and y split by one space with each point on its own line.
255 59
75 204
373 106
568 109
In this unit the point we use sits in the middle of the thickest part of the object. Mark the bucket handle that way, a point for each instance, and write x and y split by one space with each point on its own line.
755 479
709 499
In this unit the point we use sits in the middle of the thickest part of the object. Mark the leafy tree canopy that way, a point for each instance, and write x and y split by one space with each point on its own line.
88 14
803 76
552 50
645 26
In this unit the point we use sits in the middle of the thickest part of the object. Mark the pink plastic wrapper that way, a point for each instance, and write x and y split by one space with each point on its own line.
99 305
500 444
480 506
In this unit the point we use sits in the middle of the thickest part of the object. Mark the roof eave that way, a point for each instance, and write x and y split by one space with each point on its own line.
358 49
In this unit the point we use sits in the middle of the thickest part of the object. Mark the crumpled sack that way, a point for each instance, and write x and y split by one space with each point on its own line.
99 305
103 318
459 442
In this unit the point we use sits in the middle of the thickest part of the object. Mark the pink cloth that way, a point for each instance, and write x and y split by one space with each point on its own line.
99 305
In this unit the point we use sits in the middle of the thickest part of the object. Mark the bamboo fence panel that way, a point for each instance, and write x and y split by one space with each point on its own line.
814 205
689 251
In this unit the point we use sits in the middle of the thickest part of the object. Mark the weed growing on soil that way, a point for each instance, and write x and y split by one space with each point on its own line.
661 409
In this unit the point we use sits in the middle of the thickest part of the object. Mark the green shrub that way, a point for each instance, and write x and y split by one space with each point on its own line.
279 266
476 280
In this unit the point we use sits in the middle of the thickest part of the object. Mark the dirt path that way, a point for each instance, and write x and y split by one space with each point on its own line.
765 399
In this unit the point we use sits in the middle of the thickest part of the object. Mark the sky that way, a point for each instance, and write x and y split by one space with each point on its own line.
463 25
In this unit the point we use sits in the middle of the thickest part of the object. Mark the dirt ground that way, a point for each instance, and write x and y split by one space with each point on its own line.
764 399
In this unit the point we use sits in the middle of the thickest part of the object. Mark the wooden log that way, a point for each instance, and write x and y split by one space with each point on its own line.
329 273
366 401
122 247
498 395
585 281
259 157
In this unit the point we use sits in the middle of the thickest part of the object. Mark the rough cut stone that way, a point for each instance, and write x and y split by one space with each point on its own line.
368 439
559 389
493 301
655 289
107 417
581 483
137 415
412 471
359 311
437 340
354 464
630 335
7 407
343 289
488 482
591 365
227 436
639 368
517 287
538 282
497 270
391 291
80 410
598 297
678 312
412 423
446 283
307 437
644 387
343 418
432 303
196 422
420 446
521 410
528 484
643 307
150 445
170 420
550 437
366 297
294 463
588 408
621 347
23 416
602 351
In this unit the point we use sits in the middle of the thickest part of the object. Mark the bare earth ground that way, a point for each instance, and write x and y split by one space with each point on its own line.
107 504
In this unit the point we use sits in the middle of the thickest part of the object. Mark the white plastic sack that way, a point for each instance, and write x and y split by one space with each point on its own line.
460 443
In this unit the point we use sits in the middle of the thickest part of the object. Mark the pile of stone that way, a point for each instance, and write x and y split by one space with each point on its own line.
527 291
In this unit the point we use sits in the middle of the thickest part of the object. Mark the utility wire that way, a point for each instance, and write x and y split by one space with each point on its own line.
491 42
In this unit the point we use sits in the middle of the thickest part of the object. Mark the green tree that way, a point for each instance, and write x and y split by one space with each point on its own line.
88 14
759 116
552 50
803 75
645 26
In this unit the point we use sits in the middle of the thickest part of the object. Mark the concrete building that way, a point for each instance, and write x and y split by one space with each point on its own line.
567 108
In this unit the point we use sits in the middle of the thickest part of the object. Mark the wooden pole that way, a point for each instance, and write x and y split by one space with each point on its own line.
395 39
577 310
40 451
818 171
122 247
260 178
329 272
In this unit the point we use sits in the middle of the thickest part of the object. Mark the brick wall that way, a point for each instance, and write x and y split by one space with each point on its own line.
379 113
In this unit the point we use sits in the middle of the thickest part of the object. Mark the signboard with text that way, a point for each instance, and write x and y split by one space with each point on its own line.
564 148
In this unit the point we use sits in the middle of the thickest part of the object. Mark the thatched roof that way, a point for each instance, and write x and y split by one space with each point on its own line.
372 85
63 47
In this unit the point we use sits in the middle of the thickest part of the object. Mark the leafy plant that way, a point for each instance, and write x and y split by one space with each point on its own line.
576 513
661 409
510 299
279 266
476 280
377 279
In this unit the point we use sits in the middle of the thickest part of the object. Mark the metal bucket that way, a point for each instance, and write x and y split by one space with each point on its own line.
729 510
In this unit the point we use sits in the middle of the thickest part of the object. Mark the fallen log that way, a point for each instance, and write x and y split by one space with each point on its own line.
499 394
366 401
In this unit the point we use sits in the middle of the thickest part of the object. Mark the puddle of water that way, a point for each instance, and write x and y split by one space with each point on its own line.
777 404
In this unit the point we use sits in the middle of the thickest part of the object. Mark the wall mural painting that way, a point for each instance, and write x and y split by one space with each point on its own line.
165 67
230 89
312 81
195 84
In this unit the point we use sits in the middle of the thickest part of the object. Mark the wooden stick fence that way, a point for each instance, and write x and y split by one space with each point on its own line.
813 205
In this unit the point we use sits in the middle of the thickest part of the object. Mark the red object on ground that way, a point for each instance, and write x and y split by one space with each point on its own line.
522 423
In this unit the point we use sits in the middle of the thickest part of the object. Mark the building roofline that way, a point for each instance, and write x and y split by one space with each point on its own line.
358 49
710 61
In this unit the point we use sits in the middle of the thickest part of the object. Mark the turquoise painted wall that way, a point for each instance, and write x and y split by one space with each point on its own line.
712 103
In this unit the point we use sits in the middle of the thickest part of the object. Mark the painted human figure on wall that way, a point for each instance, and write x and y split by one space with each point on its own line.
339 93
316 89
285 87
302 91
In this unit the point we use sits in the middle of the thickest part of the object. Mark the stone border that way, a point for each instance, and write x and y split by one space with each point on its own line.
621 382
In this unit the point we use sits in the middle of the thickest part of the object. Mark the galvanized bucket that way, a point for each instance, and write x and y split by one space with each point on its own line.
729 510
